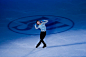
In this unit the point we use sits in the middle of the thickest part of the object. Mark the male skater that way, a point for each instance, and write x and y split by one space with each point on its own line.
43 31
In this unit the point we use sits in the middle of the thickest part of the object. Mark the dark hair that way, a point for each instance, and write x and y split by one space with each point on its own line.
37 21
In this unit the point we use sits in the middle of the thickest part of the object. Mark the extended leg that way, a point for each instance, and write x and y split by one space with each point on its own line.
38 43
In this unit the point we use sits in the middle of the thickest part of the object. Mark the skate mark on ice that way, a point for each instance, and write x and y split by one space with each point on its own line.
29 53
80 43
32 51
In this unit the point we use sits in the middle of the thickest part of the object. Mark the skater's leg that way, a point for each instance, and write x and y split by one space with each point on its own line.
42 37
38 43
43 42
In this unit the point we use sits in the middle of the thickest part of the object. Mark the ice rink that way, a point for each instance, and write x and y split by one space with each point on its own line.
66 28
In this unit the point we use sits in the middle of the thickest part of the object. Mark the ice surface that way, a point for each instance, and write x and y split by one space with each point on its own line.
59 45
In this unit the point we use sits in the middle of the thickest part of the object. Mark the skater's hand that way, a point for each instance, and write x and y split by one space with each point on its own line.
41 21
35 24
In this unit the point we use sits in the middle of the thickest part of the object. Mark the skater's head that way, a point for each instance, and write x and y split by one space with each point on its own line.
38 22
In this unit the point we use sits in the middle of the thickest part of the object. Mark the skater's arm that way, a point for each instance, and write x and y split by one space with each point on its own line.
45 21
36 27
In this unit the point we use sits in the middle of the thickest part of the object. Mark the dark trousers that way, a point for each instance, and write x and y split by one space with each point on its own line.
42 36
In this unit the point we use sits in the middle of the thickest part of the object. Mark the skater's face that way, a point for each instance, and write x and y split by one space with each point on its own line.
38 22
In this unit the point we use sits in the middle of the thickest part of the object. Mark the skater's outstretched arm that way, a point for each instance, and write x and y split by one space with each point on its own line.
45 21
36 27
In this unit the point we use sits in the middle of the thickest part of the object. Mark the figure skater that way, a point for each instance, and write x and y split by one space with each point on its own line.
42 27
